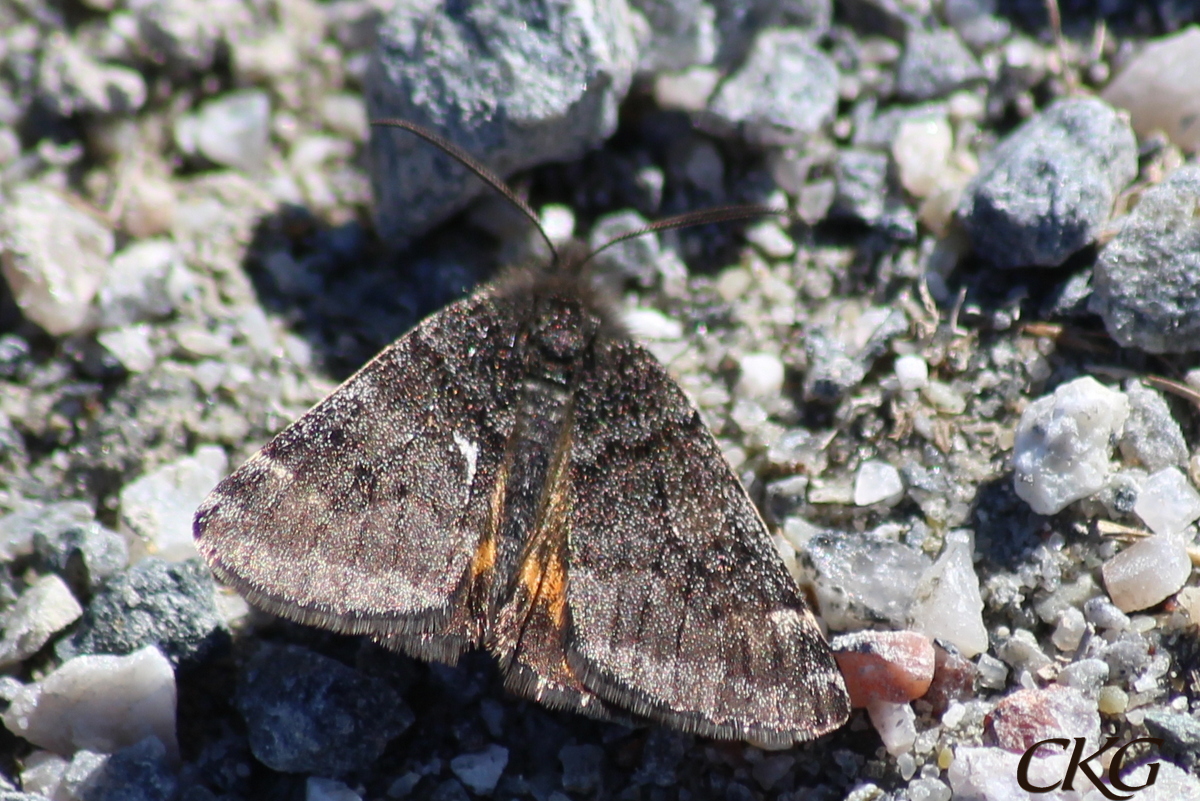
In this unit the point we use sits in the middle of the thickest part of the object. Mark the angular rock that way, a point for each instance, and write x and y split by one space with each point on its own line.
308 713
1063 442
53 256
481 772
863 578
935 63
893 666
1147 572
1152 436
167 604
44 609
547 89
101 703
232 130
1167 502
1147 279
784 92
1047 190
1158 88
947 604
158 507
1030 716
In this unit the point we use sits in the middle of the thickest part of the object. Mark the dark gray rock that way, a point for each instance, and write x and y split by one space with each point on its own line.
661 755
784 92
934 64
1147 280
891 18
582 768
545 88
1049 187
168 604
1181 735
137 773
308 713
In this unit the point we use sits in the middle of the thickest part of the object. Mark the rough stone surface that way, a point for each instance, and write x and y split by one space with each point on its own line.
935 63
1146 277
784 92
549 91
44 609
1147 572
1048 188
1158 89
947 603
306 712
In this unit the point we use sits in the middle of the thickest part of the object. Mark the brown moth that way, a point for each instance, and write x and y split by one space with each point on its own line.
517 474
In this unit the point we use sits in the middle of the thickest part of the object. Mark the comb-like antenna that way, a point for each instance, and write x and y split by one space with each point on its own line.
471 163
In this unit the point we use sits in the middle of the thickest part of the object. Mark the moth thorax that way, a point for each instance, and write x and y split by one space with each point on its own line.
561 333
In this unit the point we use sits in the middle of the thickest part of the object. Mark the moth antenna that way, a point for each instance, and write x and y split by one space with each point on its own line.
703 217
474 165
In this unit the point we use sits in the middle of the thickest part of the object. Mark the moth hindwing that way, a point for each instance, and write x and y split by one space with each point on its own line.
516 474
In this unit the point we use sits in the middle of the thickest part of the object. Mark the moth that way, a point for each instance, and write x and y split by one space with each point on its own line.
517 474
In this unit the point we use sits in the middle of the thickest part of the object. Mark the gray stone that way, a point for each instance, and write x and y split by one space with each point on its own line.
481 771
1048 189
153 603
546 89
582 768
20 529
145 282
976 22
54 257
140 772
935 63
308 713
784 92
1147 278
1152 437
1180 732
158 507
635 258
864 578
86 552
232 130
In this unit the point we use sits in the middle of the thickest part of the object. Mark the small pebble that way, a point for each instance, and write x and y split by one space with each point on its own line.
651 324
56 257
761 376
1021 650
1156 87
944 398
1112 700
1167 502
131 346
158 507
896 724
688 90
947 604
1152 437
1102 614
1063 442
232 130
558 221
101 703
318 789
877 482
481 772
894 666
1086 675
912 372
1029 716
771 239
1069 631
921 151
1147 572
44 609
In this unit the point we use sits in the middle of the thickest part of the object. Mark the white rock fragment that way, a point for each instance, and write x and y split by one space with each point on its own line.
158 507
987 773
877 482
1069 631
761 376
558 221
896 724
688 90
1063 444
912 372
1167 502
947 603
232 130
101 703
131 346
651 324
44 609
145 282
481 771
771 239
53 256
1147 572
59 780
921 150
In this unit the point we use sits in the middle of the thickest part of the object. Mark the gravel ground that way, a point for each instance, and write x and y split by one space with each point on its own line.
960 381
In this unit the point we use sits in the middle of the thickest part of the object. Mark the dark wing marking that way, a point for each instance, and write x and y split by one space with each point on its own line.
373 513
681 609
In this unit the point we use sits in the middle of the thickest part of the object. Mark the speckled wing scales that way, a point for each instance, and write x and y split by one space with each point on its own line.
373 513
680 609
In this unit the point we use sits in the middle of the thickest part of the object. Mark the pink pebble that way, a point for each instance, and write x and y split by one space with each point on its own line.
1030 716
893 666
